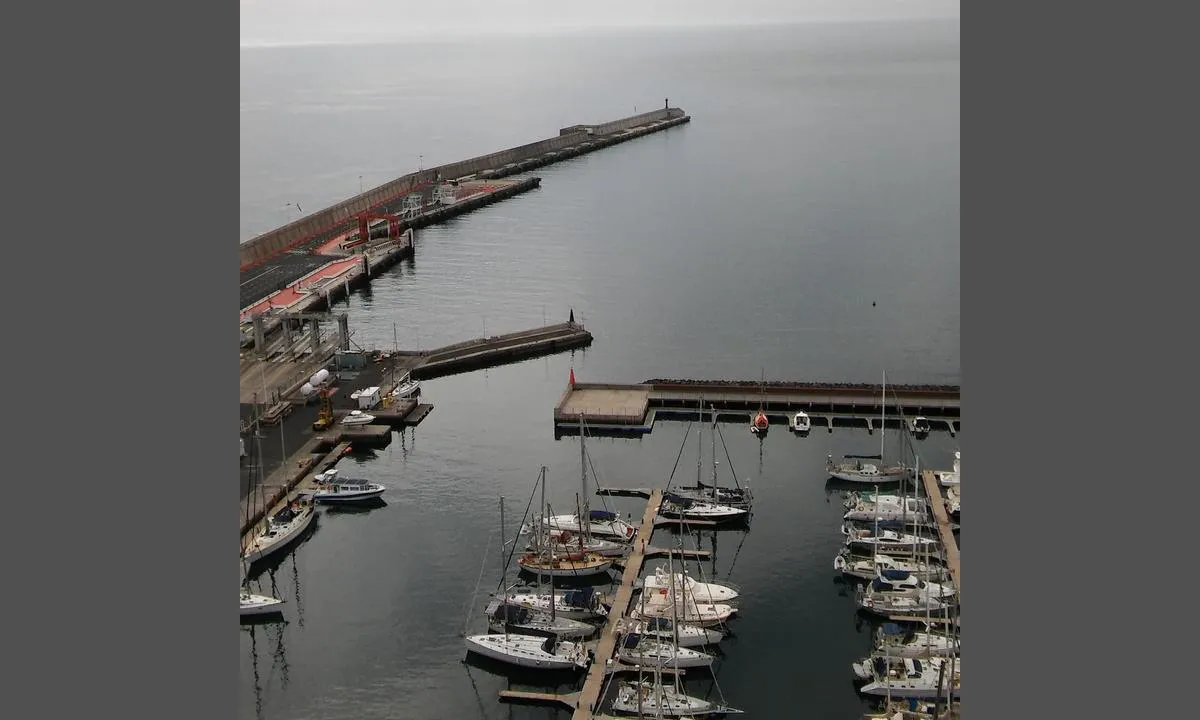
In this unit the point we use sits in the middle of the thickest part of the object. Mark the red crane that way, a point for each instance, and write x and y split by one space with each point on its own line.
364 228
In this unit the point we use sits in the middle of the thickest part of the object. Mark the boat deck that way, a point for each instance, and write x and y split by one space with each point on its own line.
943 524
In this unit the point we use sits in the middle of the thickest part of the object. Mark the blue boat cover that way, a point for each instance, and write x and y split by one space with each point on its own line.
917 665
631 641
659 624
579 598
892 629
878 584
602 515
892 574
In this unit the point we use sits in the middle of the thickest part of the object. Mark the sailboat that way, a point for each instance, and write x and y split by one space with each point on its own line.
866 567
637 649
667 629
599 523
531 651
758 421
524 620
736 497
563 541
910 677
253 605
853 469
900 641
654 698
544 560
406 387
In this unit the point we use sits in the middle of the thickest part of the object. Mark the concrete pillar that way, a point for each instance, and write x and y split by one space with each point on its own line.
316 337
287 335
260 340
344 331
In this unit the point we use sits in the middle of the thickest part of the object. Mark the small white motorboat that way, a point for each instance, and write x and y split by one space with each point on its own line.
800 423
358 417
920 426
948 478
637 649
331 490
530 651
252 605
281 530
689 586
664 629
406 387
661 604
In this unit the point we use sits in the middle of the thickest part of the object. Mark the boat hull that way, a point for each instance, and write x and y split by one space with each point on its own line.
523 651
333 498
261 549
666 657
261 605
673 704
879 478
564 569
534 601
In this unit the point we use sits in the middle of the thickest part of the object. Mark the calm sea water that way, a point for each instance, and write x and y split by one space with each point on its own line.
803 226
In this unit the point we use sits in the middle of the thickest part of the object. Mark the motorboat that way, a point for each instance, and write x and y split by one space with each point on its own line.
948 478
282 528
503 617
358 417
801 423
330 489
636 649
255 605
920 426
688 585
529 651
666 630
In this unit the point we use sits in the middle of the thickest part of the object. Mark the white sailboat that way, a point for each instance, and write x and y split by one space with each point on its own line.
281 529
581 604
653 699
565 541
258 605
666 629
919 678
406 387
713 494
636 649
904 580
530 651
886 539
888 508
708 592
853 469
525 621
898 641
546 560
867 567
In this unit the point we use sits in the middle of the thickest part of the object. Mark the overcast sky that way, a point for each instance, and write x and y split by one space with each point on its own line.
288 21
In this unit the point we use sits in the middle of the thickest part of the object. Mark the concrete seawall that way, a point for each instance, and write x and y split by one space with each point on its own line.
570 142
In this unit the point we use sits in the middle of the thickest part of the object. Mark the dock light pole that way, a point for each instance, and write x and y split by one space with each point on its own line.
360 184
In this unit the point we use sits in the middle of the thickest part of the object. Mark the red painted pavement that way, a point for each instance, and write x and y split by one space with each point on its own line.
290 295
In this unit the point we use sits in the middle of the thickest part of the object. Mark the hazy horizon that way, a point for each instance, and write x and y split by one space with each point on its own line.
266 23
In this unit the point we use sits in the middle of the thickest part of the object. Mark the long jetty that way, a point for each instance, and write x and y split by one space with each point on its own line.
278 258
585 703
634 407
934 493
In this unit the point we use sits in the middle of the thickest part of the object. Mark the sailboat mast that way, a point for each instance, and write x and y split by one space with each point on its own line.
712 438
882 417
699 444
502 543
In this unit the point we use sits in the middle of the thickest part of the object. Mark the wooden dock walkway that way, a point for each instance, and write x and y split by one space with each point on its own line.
593 686
938 505
570 700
